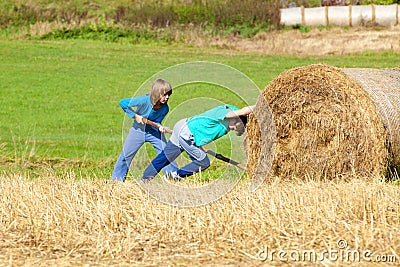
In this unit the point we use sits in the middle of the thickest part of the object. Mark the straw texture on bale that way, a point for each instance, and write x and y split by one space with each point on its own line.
329 123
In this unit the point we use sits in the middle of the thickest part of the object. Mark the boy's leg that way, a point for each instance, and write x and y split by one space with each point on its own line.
194 167
199 158
133 142
159 145
169 154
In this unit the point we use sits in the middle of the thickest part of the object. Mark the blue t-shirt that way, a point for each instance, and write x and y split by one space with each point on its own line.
210 125
141 105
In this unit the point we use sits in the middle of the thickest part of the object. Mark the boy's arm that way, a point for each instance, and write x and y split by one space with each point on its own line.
241 112
127 104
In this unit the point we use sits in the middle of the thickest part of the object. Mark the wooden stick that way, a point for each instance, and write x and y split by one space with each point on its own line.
152 123
210 152
225 159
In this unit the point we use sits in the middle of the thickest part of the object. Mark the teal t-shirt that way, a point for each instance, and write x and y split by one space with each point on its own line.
210 125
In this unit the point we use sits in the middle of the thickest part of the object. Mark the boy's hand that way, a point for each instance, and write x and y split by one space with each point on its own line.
165 129
139 119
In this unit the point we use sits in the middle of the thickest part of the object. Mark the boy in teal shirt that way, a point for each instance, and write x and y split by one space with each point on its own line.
190 134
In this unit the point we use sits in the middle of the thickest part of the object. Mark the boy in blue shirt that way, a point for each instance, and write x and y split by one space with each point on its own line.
154 107
191 134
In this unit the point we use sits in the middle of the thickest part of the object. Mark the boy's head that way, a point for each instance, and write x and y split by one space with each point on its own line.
238 124
160 92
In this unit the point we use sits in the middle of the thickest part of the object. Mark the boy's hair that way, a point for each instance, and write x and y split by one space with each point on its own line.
241 123
159 87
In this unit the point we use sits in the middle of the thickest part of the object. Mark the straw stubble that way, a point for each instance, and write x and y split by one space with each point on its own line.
65 221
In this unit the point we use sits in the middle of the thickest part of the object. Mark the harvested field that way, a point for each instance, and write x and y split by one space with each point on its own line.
330 123
335 41
64 221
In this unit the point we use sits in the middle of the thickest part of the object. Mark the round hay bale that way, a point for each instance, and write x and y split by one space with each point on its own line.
330 123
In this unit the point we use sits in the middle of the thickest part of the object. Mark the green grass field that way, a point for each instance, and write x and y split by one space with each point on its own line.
59 100
62 125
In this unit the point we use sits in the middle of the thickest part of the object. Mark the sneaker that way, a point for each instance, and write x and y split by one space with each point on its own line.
172 176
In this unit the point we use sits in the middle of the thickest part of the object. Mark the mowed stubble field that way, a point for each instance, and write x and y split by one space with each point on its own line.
61 133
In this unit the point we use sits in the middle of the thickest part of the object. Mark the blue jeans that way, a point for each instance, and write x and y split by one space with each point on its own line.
200 161
135 139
